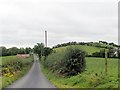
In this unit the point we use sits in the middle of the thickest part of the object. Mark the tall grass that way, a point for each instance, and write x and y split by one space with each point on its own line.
13 68
93 77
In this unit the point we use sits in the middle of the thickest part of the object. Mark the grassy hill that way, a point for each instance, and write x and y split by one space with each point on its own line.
88 49
94 75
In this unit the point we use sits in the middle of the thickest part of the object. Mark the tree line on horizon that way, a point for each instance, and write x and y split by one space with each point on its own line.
96 44
112 48
45 51
14 51
38 49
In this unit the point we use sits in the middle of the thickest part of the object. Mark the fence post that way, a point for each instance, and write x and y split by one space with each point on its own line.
106 56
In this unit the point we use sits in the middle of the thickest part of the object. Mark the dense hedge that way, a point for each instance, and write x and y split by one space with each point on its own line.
68 62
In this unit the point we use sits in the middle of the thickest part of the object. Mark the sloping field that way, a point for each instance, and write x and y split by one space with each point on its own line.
93 77
88 49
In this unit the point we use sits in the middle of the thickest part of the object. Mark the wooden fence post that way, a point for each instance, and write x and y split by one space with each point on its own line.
106 56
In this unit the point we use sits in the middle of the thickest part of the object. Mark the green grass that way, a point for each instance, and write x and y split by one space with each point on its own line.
9 80
7 59
11 60
93 77
93 63
88 49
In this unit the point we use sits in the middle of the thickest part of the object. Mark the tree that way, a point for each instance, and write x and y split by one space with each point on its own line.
28 50
38 49
12 51
21 51
3 51
47 51
111 43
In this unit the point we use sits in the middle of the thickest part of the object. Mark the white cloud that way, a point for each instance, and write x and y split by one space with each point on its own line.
23 22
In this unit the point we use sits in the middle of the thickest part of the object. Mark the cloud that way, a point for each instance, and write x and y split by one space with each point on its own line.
23 22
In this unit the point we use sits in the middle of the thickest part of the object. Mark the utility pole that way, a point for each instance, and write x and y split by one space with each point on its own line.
45 38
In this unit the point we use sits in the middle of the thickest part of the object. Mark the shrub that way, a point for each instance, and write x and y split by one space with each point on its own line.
68 62
46 52
96 54
14 64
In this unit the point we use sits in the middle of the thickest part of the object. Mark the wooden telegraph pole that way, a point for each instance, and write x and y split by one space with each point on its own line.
106 56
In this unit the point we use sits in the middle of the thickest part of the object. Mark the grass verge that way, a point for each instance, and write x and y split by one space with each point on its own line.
93 77
14 68
9 80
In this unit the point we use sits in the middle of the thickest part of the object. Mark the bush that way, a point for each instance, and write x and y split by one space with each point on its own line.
68 62
99 54
14 64
96 54
47 51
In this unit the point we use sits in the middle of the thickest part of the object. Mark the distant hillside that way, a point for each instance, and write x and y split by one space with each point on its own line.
89 47
100 44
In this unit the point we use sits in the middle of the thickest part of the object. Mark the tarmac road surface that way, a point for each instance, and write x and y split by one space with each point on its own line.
33 79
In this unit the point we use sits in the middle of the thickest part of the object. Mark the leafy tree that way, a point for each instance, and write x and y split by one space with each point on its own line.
28 50
12 51
111 43
3 51
38 49
47 51
21 51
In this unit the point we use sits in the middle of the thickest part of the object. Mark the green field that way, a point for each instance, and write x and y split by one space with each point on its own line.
93 77
13 68
93 63
11 59
88 49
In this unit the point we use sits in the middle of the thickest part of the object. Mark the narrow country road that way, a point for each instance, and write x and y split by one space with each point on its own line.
34 78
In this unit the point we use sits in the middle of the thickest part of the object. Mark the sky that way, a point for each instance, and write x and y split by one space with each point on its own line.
23 22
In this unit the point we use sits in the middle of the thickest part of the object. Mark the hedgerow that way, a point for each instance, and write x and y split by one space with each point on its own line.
9 67
68 62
